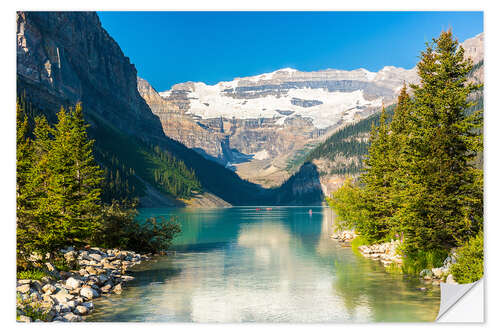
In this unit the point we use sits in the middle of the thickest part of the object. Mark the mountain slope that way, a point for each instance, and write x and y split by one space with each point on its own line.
341 154
255 125
67 57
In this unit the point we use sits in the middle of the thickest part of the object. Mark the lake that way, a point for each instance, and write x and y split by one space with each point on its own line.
245 264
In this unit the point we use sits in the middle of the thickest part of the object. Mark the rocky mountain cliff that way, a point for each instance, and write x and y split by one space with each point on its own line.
67 57
255 125
258 125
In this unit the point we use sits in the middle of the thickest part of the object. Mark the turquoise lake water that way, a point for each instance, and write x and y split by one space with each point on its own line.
241 264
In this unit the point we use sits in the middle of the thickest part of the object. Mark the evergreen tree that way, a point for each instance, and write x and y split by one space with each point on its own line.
24 163
376 181
74 178
443 199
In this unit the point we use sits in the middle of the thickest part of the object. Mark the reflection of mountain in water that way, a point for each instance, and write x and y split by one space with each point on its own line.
279 265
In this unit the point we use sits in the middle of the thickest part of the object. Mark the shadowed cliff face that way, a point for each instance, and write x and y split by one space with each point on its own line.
303 188
67 57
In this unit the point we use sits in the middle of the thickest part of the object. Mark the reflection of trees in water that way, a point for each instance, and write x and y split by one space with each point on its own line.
390 297
275 265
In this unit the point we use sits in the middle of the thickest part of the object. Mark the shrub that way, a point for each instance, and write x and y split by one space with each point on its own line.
154 235
121 229
469 266
31 274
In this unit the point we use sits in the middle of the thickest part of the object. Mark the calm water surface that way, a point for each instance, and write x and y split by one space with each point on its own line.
246 265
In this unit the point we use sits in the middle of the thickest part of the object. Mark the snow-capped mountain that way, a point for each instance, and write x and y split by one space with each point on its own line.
325 97
257 124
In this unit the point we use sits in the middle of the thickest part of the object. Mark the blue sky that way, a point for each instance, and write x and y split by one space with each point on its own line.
172 47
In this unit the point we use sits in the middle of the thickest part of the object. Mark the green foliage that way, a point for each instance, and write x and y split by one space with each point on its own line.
421 177
357 242
469 266
414 261
349 205
59 189
133 160
154 235
31 274
63 265
32 309
350 142
120 229
443 192
58 183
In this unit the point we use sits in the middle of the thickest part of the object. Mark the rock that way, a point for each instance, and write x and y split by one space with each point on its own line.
102 279
24 319
24 288
425 273
450 279
71 317
108 266
47 279
91 270
50 267
95 256
88 305
81 310
106 288
73 283
437 272
48 289
63 297
37 286
117 289
70 256
89 293
20 282
35 296
62 308
52 270
127 278
68 249
72 304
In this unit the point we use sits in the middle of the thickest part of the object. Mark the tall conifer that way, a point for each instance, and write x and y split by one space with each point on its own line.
443 205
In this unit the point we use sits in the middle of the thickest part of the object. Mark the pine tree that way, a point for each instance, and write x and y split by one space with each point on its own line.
24 163
443 199
85 205
376 182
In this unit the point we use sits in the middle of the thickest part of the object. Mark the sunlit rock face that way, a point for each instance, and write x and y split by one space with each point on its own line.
278 112
267 117
474 48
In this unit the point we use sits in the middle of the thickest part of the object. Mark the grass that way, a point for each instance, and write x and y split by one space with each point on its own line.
357 242
414 263
31 274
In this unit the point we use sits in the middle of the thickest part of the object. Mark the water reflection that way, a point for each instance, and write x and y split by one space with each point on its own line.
279 265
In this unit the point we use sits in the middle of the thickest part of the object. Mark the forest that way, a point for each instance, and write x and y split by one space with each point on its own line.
420 180
66 198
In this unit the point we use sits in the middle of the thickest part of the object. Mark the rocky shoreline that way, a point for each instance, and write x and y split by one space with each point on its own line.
387 254
67 296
